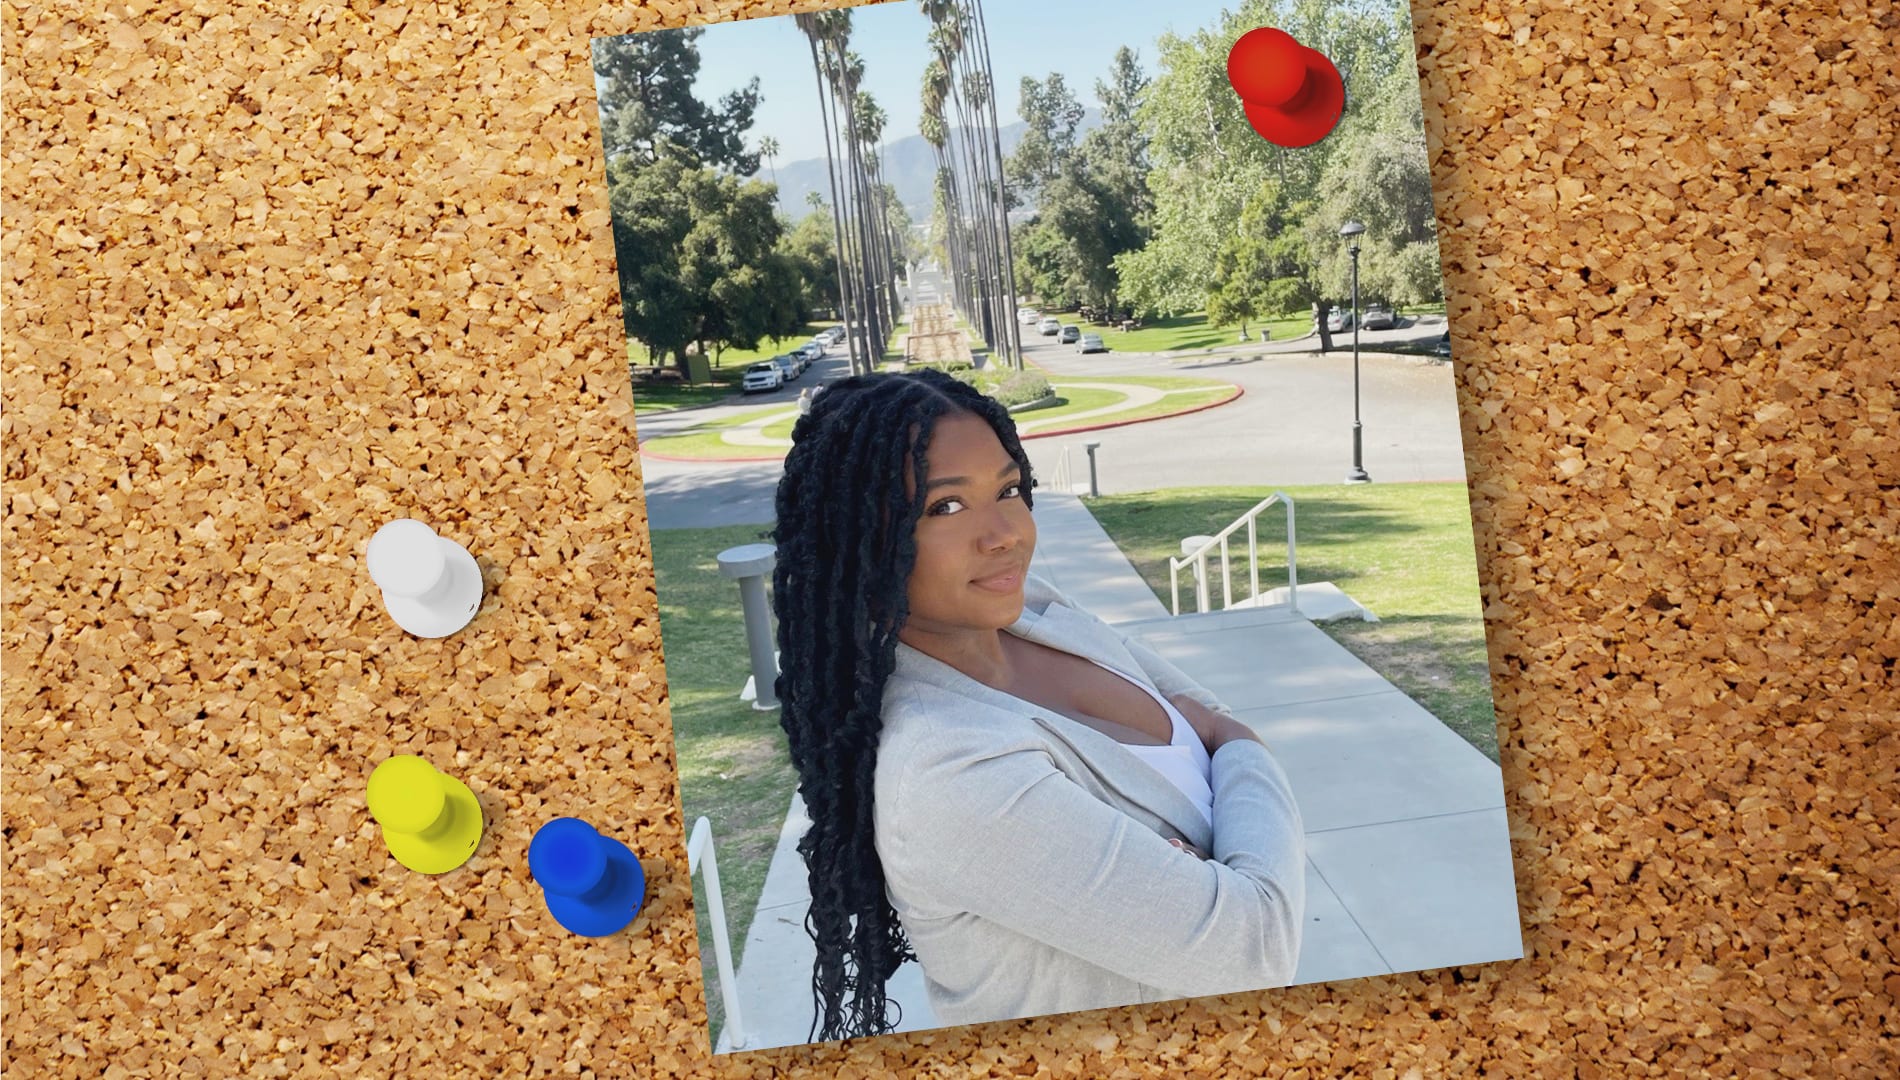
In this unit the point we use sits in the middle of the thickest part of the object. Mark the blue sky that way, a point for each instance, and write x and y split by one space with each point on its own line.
1027 37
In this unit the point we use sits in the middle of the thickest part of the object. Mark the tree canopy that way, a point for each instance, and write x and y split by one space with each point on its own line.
1250 229
647 107
699 259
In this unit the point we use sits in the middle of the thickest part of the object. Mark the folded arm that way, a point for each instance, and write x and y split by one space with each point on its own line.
1013 840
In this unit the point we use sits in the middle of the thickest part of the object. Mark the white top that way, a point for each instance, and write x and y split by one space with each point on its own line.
1185 760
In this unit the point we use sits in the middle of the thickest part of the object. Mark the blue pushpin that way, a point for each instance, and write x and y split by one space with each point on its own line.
592 883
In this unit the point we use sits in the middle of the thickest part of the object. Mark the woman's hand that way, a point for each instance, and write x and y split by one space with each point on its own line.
1183 845
1213 728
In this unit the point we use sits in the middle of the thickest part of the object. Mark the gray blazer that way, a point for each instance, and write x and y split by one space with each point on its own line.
1027 854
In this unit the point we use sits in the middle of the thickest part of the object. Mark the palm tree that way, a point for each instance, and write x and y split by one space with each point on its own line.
960 75
871 120
1014 327
819 28
768 146
848 75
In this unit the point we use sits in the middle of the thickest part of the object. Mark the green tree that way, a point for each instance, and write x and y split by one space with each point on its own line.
698 265
1209 166
1093 203
647 108
1380 176
1051 115
1261 269
813 250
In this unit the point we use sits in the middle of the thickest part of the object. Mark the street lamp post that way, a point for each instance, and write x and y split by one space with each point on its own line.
1358 475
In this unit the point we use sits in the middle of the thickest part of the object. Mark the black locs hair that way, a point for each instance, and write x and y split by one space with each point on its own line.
845 552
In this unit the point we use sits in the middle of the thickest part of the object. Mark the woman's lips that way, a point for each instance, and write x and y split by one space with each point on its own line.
1001 583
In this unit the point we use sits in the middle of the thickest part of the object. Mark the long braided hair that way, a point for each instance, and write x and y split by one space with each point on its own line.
846 546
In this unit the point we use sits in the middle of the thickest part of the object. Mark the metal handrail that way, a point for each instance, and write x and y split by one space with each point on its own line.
702 841
1198 560
1061 479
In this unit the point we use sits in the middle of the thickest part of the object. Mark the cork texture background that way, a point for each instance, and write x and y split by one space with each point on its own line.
276 273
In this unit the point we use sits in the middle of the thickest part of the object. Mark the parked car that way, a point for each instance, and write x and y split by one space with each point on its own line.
1442 346
762 376
1090 343
832 334
808 353
1378 318
1068 335
1049 327
788 365
1028 316
1340 319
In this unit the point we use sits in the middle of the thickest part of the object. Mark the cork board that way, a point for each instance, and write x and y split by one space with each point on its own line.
274 275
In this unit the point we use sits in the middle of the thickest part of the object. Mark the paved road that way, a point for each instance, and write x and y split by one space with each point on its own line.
1293 425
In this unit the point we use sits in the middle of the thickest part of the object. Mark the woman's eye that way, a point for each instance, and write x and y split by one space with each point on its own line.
950 505
1013 491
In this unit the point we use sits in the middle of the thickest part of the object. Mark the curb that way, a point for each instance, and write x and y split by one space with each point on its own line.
1104 426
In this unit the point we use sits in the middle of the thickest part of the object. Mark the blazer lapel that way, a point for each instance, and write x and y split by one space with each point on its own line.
1137 786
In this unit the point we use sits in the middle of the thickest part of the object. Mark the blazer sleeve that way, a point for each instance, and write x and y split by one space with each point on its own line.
1006 836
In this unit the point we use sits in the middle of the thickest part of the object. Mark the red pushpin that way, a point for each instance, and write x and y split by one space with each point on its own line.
1293 95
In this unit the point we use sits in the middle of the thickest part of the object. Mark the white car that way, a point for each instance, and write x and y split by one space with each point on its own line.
1049 327
1091 343
1028 316
763 376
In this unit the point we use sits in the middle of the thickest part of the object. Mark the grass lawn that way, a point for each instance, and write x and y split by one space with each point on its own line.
894 345
733 764
652 395
1191 332
1173 403
705 441
780 429
1069 401
1403 550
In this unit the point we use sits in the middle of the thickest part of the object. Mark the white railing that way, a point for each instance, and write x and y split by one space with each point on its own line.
1198 560
702 841
1061 481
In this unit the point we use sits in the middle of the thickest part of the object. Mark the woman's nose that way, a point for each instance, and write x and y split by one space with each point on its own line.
1001 532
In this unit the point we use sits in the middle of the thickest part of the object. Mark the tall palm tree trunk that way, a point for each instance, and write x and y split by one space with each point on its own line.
1013 325
845 305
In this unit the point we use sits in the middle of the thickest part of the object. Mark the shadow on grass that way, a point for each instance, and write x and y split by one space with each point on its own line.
1439 661
1152 548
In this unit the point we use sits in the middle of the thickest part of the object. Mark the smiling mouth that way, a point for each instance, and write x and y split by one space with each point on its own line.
1001 583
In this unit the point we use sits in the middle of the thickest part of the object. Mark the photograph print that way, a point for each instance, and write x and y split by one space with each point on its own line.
1058 509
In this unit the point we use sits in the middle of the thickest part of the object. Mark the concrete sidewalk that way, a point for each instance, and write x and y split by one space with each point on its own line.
1408 854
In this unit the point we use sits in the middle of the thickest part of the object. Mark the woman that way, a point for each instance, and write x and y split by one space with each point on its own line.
1043 812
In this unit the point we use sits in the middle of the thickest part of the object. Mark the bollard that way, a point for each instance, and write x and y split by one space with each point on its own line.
1188 547
1094 492
749 565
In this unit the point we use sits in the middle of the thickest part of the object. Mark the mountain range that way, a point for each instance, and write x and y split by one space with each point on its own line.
910 166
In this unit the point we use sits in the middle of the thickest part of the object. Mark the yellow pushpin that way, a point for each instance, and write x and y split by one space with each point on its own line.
431 822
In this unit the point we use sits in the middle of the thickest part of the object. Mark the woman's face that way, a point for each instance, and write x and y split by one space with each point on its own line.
976 534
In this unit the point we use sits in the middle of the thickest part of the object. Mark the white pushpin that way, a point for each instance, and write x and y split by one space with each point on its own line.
431 585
